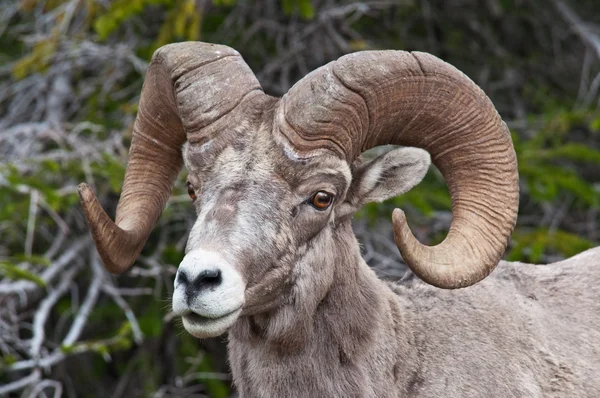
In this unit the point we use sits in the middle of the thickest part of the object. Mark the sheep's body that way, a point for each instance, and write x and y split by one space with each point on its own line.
272 257
525 331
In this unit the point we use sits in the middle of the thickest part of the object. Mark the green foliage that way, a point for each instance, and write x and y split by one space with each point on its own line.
182 23
549 163
595 125
121 11
5 361
122 340
216 388
304 8
531 245
37 61
151 320
558 148
111 169
226 3
13 270
172 255
187 346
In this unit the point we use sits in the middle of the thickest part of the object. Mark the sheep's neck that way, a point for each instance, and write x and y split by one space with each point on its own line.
341 338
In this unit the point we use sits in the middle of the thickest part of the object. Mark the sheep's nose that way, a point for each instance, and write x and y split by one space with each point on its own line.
207 285
208 278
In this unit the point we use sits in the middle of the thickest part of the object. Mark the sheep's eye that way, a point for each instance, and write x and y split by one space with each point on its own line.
191 191
321 200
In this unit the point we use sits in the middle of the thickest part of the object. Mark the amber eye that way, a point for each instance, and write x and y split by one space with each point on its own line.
321 200
191 191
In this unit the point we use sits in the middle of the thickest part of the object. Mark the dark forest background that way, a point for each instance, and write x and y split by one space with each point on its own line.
70 77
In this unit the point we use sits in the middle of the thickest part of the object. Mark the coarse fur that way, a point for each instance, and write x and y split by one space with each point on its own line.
272 257
317 322
525 331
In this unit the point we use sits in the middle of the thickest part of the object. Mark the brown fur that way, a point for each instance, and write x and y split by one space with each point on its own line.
525 331
318 323
307 317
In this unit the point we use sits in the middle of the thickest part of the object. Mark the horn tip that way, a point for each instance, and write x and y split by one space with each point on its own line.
103 229
85 192
403 236
398 216
400 226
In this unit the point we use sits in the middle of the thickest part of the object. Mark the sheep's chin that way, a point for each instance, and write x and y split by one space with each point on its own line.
202 327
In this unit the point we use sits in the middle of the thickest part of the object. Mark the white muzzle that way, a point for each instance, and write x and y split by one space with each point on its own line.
209 293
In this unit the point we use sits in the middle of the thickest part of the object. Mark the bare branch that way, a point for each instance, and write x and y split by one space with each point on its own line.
22 383
47 304
33 205
586 34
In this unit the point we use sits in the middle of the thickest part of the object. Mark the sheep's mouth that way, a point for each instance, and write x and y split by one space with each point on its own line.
197 318
204 326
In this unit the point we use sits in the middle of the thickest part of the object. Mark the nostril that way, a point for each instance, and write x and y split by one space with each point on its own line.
207 278
209 274
182 278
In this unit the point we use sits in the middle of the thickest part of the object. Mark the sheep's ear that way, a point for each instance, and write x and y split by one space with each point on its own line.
384 177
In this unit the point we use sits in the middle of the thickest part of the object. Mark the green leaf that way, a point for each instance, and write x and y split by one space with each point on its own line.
532 245
37 61
105 25
151 322
303 7
595 125
14 272
33 259
121 11
571 151
216 388
306 9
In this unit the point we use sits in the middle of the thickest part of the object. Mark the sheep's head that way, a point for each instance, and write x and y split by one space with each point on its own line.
273 179
266 218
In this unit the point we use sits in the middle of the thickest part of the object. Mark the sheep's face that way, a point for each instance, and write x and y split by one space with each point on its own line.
268 224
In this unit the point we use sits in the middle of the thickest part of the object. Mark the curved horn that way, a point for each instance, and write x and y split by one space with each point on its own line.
375 98
188 87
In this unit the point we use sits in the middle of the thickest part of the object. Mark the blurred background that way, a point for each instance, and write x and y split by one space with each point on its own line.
71 72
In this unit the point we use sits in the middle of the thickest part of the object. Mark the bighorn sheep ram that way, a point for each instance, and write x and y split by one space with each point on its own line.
272 257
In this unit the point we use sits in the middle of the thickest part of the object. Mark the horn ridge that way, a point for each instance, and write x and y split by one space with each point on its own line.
416 99
188 86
